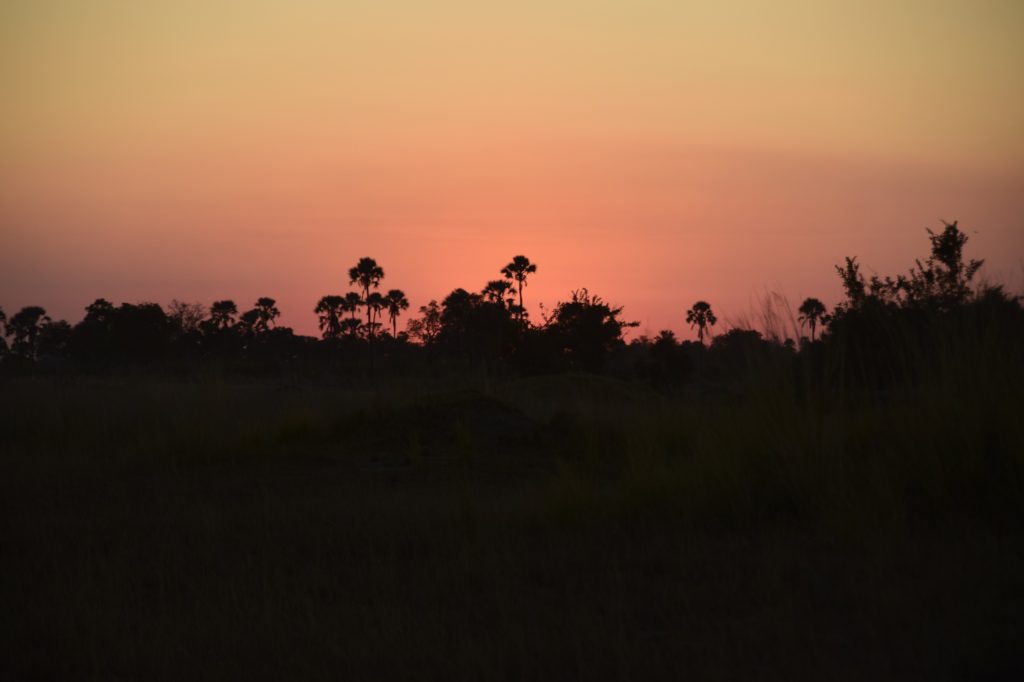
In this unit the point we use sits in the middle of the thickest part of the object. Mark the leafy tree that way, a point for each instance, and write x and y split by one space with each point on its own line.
812 311
100 311
471 325
396 302
187 318
587 329
91 338
329 311
944 279
427 327
853 282
701 316
518 270
53 338
740 348
367 274
139 331
670 364
24 327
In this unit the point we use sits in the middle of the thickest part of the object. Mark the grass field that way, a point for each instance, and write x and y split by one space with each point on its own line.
565 527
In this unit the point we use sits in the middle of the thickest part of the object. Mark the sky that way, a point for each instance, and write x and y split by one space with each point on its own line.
654 152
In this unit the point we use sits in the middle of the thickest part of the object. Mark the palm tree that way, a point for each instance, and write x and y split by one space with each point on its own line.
222 314
266 313
249 322
350 327
329 310
374 304
517 270
812 311
395 302
701 316
497 291
351 303
366 273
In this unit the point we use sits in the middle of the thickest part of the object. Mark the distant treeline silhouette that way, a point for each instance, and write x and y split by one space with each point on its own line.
884 330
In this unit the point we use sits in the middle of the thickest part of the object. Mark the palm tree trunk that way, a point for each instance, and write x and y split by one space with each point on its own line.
366 300
520 300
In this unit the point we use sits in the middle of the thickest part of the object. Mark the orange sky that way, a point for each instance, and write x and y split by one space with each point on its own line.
654 152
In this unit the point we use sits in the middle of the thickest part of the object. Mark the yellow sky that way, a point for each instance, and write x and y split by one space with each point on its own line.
656 152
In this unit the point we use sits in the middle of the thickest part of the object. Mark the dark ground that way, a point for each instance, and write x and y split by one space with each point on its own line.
554 528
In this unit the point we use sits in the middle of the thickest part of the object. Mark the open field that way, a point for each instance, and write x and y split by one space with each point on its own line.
571 527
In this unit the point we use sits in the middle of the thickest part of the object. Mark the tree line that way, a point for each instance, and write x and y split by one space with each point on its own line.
491 327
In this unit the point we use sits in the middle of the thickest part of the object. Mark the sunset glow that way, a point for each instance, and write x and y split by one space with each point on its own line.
654 152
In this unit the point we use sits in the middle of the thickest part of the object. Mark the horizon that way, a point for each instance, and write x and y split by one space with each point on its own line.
655 154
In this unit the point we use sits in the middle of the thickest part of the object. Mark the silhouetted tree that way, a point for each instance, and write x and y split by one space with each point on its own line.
100 311
139 332
499 291
427 327
248 322
701 316
3 333
518 270
366 273
739 349
186 317
669 363
812 311
587 329
91 338
944 279
53 338
329 310
374 304
222 316
24 327
472 326
266 313
395 302
260 318
854 287
350 327
351 304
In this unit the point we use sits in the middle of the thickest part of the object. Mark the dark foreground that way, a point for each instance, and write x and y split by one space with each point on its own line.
550 528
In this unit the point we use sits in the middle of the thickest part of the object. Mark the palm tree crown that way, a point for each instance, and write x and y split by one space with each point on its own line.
352 302
497 290
812 311
396 302
366 273
517 270
222 314
701 316
329 310
266 313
